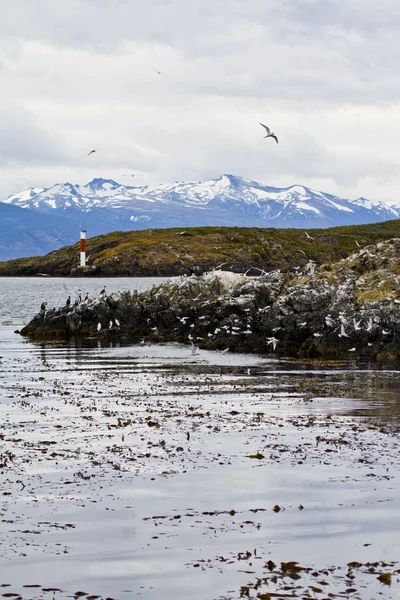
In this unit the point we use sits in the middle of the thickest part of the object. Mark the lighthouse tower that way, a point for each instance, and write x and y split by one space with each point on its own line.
83 247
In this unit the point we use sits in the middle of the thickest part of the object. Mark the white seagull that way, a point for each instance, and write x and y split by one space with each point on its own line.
356 325
357 244
342 331
369 324
195 350
273 341
309 236
98 326
269 134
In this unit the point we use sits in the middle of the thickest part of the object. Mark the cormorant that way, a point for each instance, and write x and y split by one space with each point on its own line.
68 302
43 306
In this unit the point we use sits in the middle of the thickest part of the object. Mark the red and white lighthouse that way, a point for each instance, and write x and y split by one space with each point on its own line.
83 247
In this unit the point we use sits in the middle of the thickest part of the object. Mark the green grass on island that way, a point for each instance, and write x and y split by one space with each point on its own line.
176 251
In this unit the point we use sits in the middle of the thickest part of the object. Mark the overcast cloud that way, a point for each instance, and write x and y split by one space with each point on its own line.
80 74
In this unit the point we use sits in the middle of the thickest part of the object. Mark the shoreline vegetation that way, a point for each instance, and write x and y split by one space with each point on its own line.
197 250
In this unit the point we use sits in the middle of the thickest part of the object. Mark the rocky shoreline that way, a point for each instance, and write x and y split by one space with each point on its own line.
346 309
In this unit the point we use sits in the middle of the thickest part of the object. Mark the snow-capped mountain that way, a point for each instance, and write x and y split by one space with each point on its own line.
103 205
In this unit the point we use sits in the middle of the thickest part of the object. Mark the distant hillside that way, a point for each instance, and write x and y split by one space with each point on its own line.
103 205
24 232
177 251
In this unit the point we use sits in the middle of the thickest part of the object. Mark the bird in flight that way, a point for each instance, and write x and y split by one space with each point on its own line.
92 151
309 236
269 134
132 175
158 72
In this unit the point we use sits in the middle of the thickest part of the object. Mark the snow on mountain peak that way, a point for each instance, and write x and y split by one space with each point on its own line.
104 205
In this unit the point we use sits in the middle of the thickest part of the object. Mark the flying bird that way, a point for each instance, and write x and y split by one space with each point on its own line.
132 175
273 341
158 72
93 151
269 134
309 236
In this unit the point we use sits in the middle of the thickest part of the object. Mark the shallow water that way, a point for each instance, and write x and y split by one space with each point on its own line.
127 471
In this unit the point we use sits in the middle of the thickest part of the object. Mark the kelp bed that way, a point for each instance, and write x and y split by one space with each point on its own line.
147 472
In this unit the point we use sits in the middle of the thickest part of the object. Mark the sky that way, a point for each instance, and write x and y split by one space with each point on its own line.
82 74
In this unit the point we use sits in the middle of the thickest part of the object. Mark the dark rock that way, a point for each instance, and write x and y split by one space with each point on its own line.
345 309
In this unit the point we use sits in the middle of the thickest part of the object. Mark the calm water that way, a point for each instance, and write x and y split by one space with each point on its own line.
127 471
20 297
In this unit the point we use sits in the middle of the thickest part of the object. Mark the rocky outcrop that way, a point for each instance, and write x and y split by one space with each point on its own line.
345 309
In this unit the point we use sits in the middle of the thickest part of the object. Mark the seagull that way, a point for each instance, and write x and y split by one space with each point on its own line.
273 341
351 350
329 321
132 175
93 151
183 319
317 334
342 331
158 72
309 236
357 244
98 326
117 323
195 350
356 325
385 332
110 325
369 325
269 134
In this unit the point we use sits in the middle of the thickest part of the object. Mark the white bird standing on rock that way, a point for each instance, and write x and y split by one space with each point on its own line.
117 323
342 331
356 325
351 350
329 321
98 326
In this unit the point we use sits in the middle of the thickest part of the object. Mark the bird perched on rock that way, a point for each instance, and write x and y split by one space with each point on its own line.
68 302
103 291
43 306
269 134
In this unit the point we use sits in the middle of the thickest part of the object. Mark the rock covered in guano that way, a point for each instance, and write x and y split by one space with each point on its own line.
346 309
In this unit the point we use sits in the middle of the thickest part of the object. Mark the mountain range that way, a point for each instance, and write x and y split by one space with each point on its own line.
49 218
